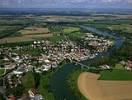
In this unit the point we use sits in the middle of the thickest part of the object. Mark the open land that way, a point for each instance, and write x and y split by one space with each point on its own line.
28 34
34 31
95 89
23 38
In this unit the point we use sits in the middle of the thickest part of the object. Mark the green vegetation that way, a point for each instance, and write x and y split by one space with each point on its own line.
14 22
1 61
62 32
32 80
10 27
71 29
2 71
126 28
56 38
28 81
123 28
30 51
116 75
55 28
16 91
45 81
119 66
44 86
1 97
124 52
16 44
72 80
6 31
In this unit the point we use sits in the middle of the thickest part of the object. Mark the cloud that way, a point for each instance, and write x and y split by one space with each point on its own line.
63 3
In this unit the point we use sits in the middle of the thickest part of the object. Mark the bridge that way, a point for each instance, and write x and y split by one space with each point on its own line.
86 66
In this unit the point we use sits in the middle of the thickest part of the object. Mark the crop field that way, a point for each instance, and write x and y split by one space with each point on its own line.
24 38
9 26
85 18
94 89
116 74
71 29
2 28
26 34
124 27
34 31
6 31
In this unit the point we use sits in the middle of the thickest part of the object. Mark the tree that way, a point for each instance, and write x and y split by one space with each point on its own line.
28 81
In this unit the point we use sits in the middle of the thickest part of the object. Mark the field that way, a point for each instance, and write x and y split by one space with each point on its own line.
116 75
126 28
24 38
71 29
9 25
28 81
34 31
28 34
21 29
94 89
6 31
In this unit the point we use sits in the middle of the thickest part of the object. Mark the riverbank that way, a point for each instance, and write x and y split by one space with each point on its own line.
72 81
59 81
95 89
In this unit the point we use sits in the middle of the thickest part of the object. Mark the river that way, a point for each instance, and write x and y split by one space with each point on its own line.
59 84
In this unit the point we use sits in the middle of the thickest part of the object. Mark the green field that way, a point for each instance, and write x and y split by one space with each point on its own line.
72 81
116 75
2 71
44 85
6 31
28 81
10 26
126 28
71 29
119 66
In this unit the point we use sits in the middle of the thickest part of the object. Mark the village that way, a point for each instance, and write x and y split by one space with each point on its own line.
48 56
20 60
51 55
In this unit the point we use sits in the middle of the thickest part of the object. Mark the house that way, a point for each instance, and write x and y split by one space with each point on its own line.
38 97
20 70
17 72
31 93
34 95
123 63
11 97
104 67
46 67
129 65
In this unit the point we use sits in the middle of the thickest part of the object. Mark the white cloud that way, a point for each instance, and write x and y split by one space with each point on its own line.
58 3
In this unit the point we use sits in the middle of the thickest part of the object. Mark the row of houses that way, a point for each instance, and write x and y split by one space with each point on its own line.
52 54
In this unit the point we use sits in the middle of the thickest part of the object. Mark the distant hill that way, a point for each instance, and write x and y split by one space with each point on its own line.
64 11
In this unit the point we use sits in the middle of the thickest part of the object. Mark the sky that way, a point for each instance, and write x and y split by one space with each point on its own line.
65 3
